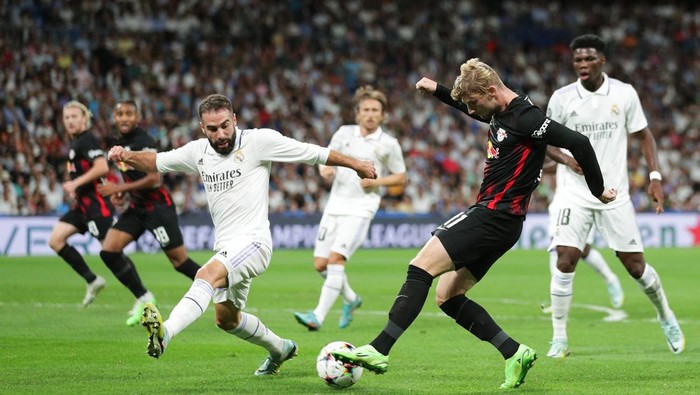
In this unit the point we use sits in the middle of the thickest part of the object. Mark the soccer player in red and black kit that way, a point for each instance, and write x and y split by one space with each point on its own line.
463 249
87 167
151 208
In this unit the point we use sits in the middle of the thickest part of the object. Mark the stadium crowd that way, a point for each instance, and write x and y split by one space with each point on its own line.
294 65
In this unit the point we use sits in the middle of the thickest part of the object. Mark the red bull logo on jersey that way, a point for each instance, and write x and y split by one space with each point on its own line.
491 152
501 135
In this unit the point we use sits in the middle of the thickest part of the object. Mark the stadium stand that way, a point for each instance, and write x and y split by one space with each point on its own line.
293 65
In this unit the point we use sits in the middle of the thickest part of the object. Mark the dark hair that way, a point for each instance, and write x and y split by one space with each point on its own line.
589 41
129 102
214 103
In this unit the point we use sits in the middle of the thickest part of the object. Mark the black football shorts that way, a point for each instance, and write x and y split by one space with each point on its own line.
477 237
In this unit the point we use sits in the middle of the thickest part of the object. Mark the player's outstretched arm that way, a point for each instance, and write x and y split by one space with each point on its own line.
426 86
139 160
363 168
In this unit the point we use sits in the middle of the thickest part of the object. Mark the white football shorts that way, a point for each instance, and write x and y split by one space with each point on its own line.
618 226
244 260
554 217
343 234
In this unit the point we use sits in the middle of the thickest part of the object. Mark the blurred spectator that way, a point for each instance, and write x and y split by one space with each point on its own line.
297 61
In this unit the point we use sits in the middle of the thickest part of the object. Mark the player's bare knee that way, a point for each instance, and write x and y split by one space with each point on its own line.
227 324
177 256
633 262
336 259
56 244
440 299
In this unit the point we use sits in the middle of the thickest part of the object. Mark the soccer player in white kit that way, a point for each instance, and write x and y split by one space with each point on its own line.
589 255
353 203
234 166
605 110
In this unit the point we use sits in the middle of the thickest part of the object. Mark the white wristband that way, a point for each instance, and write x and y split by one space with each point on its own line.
654 175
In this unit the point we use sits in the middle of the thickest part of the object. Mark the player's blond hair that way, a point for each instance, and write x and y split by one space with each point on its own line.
87 113
474 80
368 92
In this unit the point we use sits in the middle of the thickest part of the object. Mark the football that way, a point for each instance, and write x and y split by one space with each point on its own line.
337 374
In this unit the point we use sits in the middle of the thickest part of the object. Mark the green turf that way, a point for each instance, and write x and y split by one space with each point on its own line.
48 344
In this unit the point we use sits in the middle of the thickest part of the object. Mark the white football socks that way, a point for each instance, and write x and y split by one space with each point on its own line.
190 307
329 292
252 330
561 292
650 283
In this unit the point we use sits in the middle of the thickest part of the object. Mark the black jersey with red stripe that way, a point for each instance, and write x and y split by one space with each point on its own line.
84 150
139 140
516 148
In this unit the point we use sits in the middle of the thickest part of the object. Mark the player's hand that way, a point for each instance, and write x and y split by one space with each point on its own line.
118 199
116 153
656 192
69 188
107 189
608 196
327 172
426 86
366 169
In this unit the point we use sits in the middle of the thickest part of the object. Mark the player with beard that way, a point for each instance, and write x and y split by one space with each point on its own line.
90 212
463 249
607 111
150 208
234 165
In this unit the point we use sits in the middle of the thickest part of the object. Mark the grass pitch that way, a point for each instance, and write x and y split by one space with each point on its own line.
49 344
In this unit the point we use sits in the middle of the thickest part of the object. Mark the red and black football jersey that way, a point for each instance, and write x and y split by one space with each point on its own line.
84 150
139 140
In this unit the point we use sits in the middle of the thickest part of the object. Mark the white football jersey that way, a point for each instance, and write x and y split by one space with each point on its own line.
606 117
347 196
236 185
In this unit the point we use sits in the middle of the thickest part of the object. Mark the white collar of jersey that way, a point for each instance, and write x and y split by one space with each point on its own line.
374 136
604 89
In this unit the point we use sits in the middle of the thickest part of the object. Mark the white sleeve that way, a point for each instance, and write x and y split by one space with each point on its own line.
635 118
183 159
336 140
554 108
277 148
396 163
